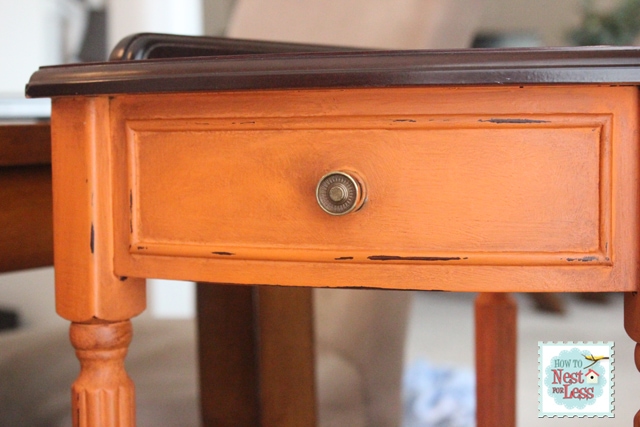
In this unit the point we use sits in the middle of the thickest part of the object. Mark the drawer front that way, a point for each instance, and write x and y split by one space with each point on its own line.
435 190
515 179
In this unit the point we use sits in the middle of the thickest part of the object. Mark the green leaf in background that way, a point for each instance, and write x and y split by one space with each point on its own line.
618 26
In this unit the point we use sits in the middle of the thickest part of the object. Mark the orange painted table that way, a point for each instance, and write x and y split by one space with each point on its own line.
489 171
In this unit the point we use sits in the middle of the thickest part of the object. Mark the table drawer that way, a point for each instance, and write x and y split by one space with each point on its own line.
448 180
437 189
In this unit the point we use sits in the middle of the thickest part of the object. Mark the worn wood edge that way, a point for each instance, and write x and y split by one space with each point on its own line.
426 257
382 276
385 120
87 287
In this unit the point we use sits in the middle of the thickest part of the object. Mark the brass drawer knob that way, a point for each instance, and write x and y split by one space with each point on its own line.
339 193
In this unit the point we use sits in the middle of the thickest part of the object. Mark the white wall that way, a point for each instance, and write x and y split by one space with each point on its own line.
125 17
549 19
216 13
34 33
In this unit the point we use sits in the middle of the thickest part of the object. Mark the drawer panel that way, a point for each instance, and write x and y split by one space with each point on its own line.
466 188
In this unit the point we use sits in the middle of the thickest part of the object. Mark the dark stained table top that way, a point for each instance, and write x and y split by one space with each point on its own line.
298 66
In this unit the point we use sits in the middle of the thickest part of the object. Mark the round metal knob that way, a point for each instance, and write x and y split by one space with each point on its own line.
339 193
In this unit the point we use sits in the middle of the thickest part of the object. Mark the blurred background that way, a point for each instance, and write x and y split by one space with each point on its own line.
438 361
39 32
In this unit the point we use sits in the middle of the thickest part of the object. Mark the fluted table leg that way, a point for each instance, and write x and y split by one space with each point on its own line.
103 393
89 292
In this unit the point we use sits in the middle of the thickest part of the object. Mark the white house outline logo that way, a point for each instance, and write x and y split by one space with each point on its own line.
592 377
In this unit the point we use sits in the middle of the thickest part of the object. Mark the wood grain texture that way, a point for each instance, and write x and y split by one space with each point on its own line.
497 169
103 395
496 343
632 315
25 196
256 356
87 287
286 357
481 177
25 217
25 144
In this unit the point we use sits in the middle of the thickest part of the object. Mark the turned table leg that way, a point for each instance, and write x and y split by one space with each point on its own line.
89 293
103 394
495 323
